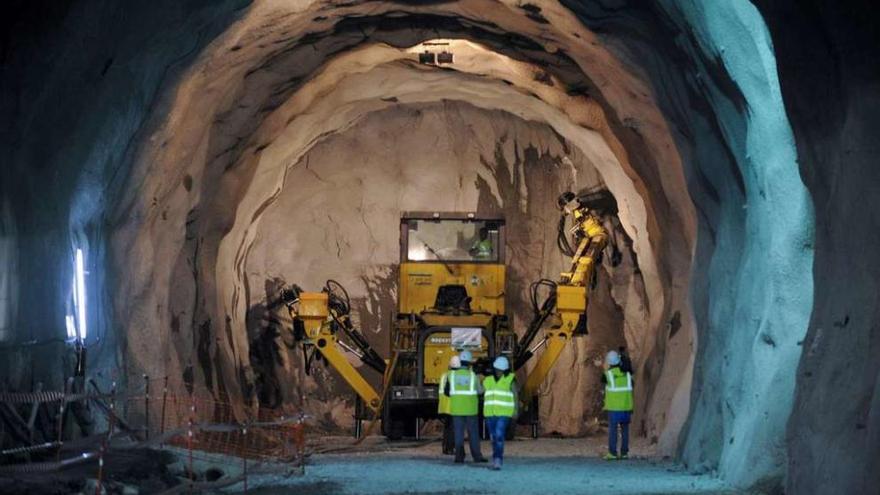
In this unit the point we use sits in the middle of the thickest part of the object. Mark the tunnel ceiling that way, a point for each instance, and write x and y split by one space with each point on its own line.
182 132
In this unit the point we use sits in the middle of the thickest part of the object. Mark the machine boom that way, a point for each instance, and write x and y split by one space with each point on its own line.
313 309
566 309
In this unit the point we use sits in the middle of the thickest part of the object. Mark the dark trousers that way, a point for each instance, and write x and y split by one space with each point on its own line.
618 419
497 426
448 434
472 424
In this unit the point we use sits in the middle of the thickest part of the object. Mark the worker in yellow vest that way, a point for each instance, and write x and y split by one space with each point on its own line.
499 406
463 390
482 249
619 404
444 407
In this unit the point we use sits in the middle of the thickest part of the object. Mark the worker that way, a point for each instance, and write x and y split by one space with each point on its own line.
463 390
443 407
499 406
482 248
619 404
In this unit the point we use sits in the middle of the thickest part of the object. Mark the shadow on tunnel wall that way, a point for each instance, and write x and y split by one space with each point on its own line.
269 337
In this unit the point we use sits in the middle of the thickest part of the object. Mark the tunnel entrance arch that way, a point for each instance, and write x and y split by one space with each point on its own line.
224 301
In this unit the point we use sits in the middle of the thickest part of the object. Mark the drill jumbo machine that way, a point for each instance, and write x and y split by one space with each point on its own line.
451 297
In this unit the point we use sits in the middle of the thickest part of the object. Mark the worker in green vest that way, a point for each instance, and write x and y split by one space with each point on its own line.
619 404
499 406
463 390
482 248
444 407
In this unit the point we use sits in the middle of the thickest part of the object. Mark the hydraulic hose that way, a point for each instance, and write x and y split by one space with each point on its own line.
562 238
523 353
340 305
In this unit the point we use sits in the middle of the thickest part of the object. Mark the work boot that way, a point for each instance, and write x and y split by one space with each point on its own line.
610 457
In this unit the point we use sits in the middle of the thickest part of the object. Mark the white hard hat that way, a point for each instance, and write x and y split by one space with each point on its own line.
466 356
454 362
613 358
501 364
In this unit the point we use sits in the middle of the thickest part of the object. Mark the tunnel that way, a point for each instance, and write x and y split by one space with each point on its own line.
171 166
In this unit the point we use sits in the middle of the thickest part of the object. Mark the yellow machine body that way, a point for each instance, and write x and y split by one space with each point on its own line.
313 311
419 283
437 352
451 298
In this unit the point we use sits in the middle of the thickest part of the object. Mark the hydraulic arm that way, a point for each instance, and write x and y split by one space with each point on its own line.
566 304
319 318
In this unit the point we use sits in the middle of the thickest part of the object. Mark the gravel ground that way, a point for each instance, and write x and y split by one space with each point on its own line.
543 466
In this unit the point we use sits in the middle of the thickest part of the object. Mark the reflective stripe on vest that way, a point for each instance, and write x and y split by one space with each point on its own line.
499 399
463 400
611 386
618 390
484 248
470 389
443 405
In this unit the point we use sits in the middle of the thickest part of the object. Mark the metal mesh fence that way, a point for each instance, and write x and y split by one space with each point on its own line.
198 427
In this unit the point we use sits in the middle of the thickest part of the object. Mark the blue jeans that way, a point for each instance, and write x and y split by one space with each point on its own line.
497 426
472 424
621 419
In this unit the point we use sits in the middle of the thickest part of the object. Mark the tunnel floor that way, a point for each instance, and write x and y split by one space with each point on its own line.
539 466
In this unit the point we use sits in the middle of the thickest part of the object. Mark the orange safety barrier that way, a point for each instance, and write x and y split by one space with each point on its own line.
213 425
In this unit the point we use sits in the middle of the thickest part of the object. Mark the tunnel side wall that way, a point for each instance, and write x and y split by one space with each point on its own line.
740 159
827 53
772 282
79 81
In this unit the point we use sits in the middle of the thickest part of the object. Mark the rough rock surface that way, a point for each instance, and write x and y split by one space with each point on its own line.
243 163
335 221
827 54
158 139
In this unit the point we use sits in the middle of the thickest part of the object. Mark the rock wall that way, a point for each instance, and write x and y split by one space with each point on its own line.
333 220
827 53
164 139
208 207
78 84
763 320
753 291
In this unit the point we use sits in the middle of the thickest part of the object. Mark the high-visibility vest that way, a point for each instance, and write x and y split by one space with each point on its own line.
443 406
483 249
618 390
463 400
498 399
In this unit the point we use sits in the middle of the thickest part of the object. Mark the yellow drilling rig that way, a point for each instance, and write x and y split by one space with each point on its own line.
451 297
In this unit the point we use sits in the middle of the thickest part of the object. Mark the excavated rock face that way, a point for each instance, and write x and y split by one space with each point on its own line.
494 163
204 154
